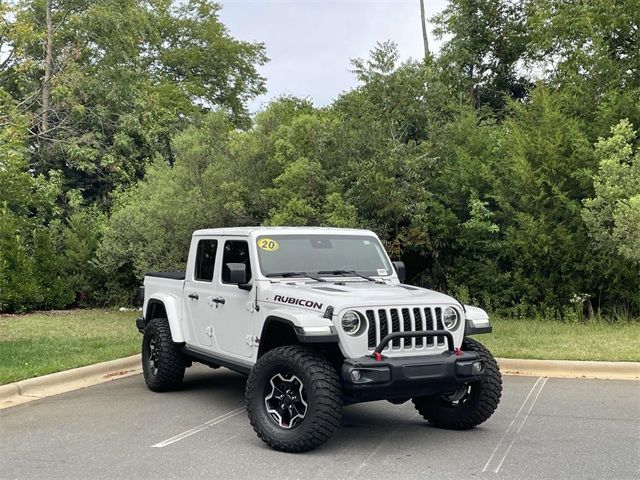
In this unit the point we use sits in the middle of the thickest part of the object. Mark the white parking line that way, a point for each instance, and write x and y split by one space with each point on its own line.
199 428
225 440
375 451
496 460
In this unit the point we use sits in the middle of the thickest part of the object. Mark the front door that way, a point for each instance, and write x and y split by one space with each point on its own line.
198 289
233 320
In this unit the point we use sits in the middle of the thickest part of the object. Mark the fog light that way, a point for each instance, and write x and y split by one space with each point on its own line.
476 368
356 375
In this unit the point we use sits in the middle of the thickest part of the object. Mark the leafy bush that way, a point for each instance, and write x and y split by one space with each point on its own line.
31 273
613 214
490 185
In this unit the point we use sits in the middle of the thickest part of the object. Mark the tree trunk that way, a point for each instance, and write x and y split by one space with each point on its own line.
425 39
46 83
473 90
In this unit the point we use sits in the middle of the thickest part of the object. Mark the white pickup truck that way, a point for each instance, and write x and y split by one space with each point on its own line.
317 318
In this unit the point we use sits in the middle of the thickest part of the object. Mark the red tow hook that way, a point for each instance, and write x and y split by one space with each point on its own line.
377 356
458 352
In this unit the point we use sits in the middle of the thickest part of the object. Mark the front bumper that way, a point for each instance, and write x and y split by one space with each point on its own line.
407 377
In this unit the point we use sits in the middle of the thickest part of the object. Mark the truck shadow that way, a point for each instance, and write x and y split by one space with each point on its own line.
363 425
203 378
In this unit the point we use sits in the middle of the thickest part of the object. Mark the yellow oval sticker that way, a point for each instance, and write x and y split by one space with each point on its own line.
268 244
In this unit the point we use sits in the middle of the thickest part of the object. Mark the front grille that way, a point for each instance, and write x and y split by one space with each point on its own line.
383 321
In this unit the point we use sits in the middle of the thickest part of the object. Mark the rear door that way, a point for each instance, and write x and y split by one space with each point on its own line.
198 288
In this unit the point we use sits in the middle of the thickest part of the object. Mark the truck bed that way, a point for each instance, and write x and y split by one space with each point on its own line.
164 283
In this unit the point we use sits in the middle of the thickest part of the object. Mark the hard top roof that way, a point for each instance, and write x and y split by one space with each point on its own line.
246 231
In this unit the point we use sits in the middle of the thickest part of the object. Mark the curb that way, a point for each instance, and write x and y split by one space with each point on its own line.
571 369
40 387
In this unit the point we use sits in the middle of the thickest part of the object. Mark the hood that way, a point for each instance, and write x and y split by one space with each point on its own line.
319 295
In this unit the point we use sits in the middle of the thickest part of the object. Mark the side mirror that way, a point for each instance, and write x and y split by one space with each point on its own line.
401 271
236 273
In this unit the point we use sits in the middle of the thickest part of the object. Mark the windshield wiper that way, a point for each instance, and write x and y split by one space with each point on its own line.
295 274
347 273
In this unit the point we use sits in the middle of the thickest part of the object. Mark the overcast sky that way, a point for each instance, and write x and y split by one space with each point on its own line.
310 42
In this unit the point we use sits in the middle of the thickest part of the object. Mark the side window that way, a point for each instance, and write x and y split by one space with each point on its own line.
235 251
205 260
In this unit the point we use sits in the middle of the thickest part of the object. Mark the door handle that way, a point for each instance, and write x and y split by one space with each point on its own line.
215 300
195 296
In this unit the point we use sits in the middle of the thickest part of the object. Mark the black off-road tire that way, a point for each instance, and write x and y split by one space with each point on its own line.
322 389
478 404
165 371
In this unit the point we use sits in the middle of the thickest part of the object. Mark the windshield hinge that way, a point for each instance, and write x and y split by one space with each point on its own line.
252 307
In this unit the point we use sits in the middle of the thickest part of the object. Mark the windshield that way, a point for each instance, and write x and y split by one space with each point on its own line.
327 254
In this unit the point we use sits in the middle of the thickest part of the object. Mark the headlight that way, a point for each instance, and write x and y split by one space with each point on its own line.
450 319
351 322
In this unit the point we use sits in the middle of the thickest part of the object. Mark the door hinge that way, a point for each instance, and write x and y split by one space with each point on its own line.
209 331
251 341
252 307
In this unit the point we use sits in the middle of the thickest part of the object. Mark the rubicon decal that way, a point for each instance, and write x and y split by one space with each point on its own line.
297 301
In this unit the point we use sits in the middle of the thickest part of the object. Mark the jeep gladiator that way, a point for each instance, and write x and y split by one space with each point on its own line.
318 318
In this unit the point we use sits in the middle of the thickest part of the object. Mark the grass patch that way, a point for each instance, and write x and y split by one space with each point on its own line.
555 340
40 343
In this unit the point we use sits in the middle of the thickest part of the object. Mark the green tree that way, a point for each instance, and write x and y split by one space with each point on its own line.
125 77
31 274
381 157
545 168
613 214
151 223
465 231
469 172
485 41
80 236
589 51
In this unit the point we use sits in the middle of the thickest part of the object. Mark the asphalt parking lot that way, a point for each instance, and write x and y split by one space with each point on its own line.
544 428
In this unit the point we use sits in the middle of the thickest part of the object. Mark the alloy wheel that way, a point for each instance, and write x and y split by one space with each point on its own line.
285 400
